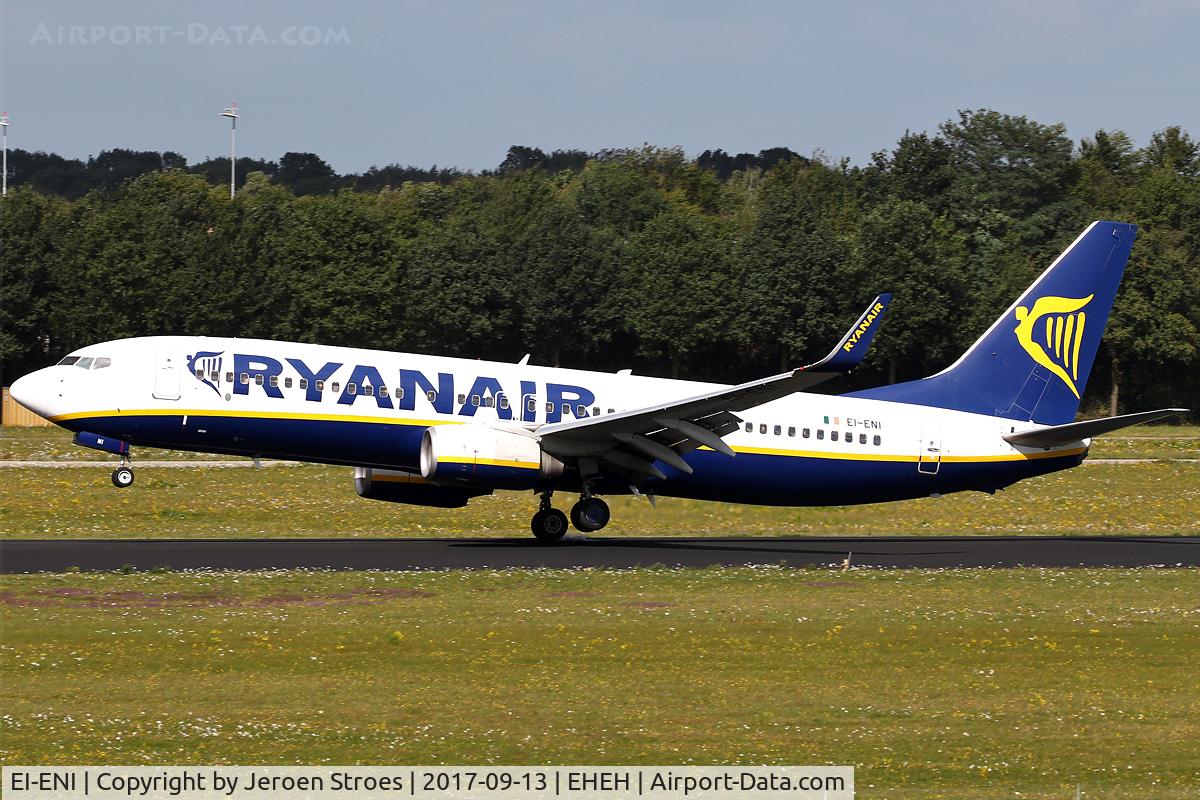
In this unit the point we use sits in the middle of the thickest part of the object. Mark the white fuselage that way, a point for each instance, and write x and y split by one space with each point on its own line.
261 398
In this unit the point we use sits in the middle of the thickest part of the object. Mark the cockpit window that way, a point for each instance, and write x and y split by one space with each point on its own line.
84 363
68 361
102 362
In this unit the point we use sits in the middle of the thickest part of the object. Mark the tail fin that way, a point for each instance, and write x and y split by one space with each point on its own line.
1034 361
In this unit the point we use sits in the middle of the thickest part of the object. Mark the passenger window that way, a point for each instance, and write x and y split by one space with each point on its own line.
862 438
84 363
475 400
804 433
399 392
287 383
212 376
778 430
877 440
531 405
368 390
258 379
319 386
833 436
229 377
275 381
820 433
102 362
200 373
462 399
432 395
503 401
791 432
304 383
383 391
244 378
333 387
762 428
596 411
549 408
749 427
566 409
489 402
611 411
581 411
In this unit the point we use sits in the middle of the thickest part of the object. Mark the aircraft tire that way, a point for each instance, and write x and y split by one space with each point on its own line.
122 477
590 514
549 525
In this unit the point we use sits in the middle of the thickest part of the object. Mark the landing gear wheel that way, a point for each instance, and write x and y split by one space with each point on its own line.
590 514
549 525
122 477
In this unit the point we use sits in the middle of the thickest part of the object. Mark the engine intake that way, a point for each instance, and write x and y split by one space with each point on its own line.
477 455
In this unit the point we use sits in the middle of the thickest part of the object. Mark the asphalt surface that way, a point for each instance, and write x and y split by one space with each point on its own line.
42 555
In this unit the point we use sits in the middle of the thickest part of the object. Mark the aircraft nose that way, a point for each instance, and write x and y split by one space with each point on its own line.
38 391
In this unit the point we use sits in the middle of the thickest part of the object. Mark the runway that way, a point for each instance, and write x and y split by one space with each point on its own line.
43 555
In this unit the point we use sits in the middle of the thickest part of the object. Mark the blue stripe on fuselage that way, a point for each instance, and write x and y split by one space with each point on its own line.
782 480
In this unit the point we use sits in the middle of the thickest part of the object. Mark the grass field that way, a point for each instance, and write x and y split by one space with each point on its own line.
1158 497
969 683
934 684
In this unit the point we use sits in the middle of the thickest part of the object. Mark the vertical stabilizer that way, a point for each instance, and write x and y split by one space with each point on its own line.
1034 361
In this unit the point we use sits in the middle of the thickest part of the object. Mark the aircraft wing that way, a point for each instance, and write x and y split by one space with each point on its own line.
631 441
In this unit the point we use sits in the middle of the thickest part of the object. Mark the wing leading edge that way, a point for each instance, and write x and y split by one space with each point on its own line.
632 440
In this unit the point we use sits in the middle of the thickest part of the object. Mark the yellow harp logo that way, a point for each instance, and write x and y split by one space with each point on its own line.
1062 333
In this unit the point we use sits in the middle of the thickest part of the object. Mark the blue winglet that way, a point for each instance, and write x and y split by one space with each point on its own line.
852 349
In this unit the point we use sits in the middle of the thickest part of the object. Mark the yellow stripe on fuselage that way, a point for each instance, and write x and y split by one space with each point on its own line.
764 451
286 415
833 454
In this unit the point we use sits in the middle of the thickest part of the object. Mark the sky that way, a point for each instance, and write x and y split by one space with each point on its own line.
455 83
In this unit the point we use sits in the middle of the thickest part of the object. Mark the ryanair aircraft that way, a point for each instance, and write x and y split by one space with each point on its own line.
433 431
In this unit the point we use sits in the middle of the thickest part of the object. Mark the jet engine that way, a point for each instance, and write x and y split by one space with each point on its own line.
477 455
398 486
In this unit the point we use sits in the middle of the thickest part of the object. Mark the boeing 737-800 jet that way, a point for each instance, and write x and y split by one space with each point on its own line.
426 430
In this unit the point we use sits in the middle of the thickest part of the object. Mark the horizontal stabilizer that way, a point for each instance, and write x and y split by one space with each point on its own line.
1077 431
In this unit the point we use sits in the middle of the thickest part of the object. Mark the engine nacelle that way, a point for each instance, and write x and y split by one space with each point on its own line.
477 455
397 486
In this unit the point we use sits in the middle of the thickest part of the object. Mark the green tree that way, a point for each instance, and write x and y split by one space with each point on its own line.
918 258
31 228
800 276
344 271
673 287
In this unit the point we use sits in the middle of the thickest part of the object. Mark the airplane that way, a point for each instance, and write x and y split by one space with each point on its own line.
433 431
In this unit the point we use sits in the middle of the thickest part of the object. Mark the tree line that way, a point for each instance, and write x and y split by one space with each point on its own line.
721 267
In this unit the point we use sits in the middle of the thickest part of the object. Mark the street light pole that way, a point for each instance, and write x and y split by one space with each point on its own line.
4 123
232 113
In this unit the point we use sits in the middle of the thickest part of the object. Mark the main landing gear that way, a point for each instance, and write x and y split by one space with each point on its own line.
122 476
549 524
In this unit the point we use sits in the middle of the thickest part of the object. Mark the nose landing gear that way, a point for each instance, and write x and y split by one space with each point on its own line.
122 476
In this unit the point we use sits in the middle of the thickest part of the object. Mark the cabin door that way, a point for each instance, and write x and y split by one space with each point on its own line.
929 457
166 375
